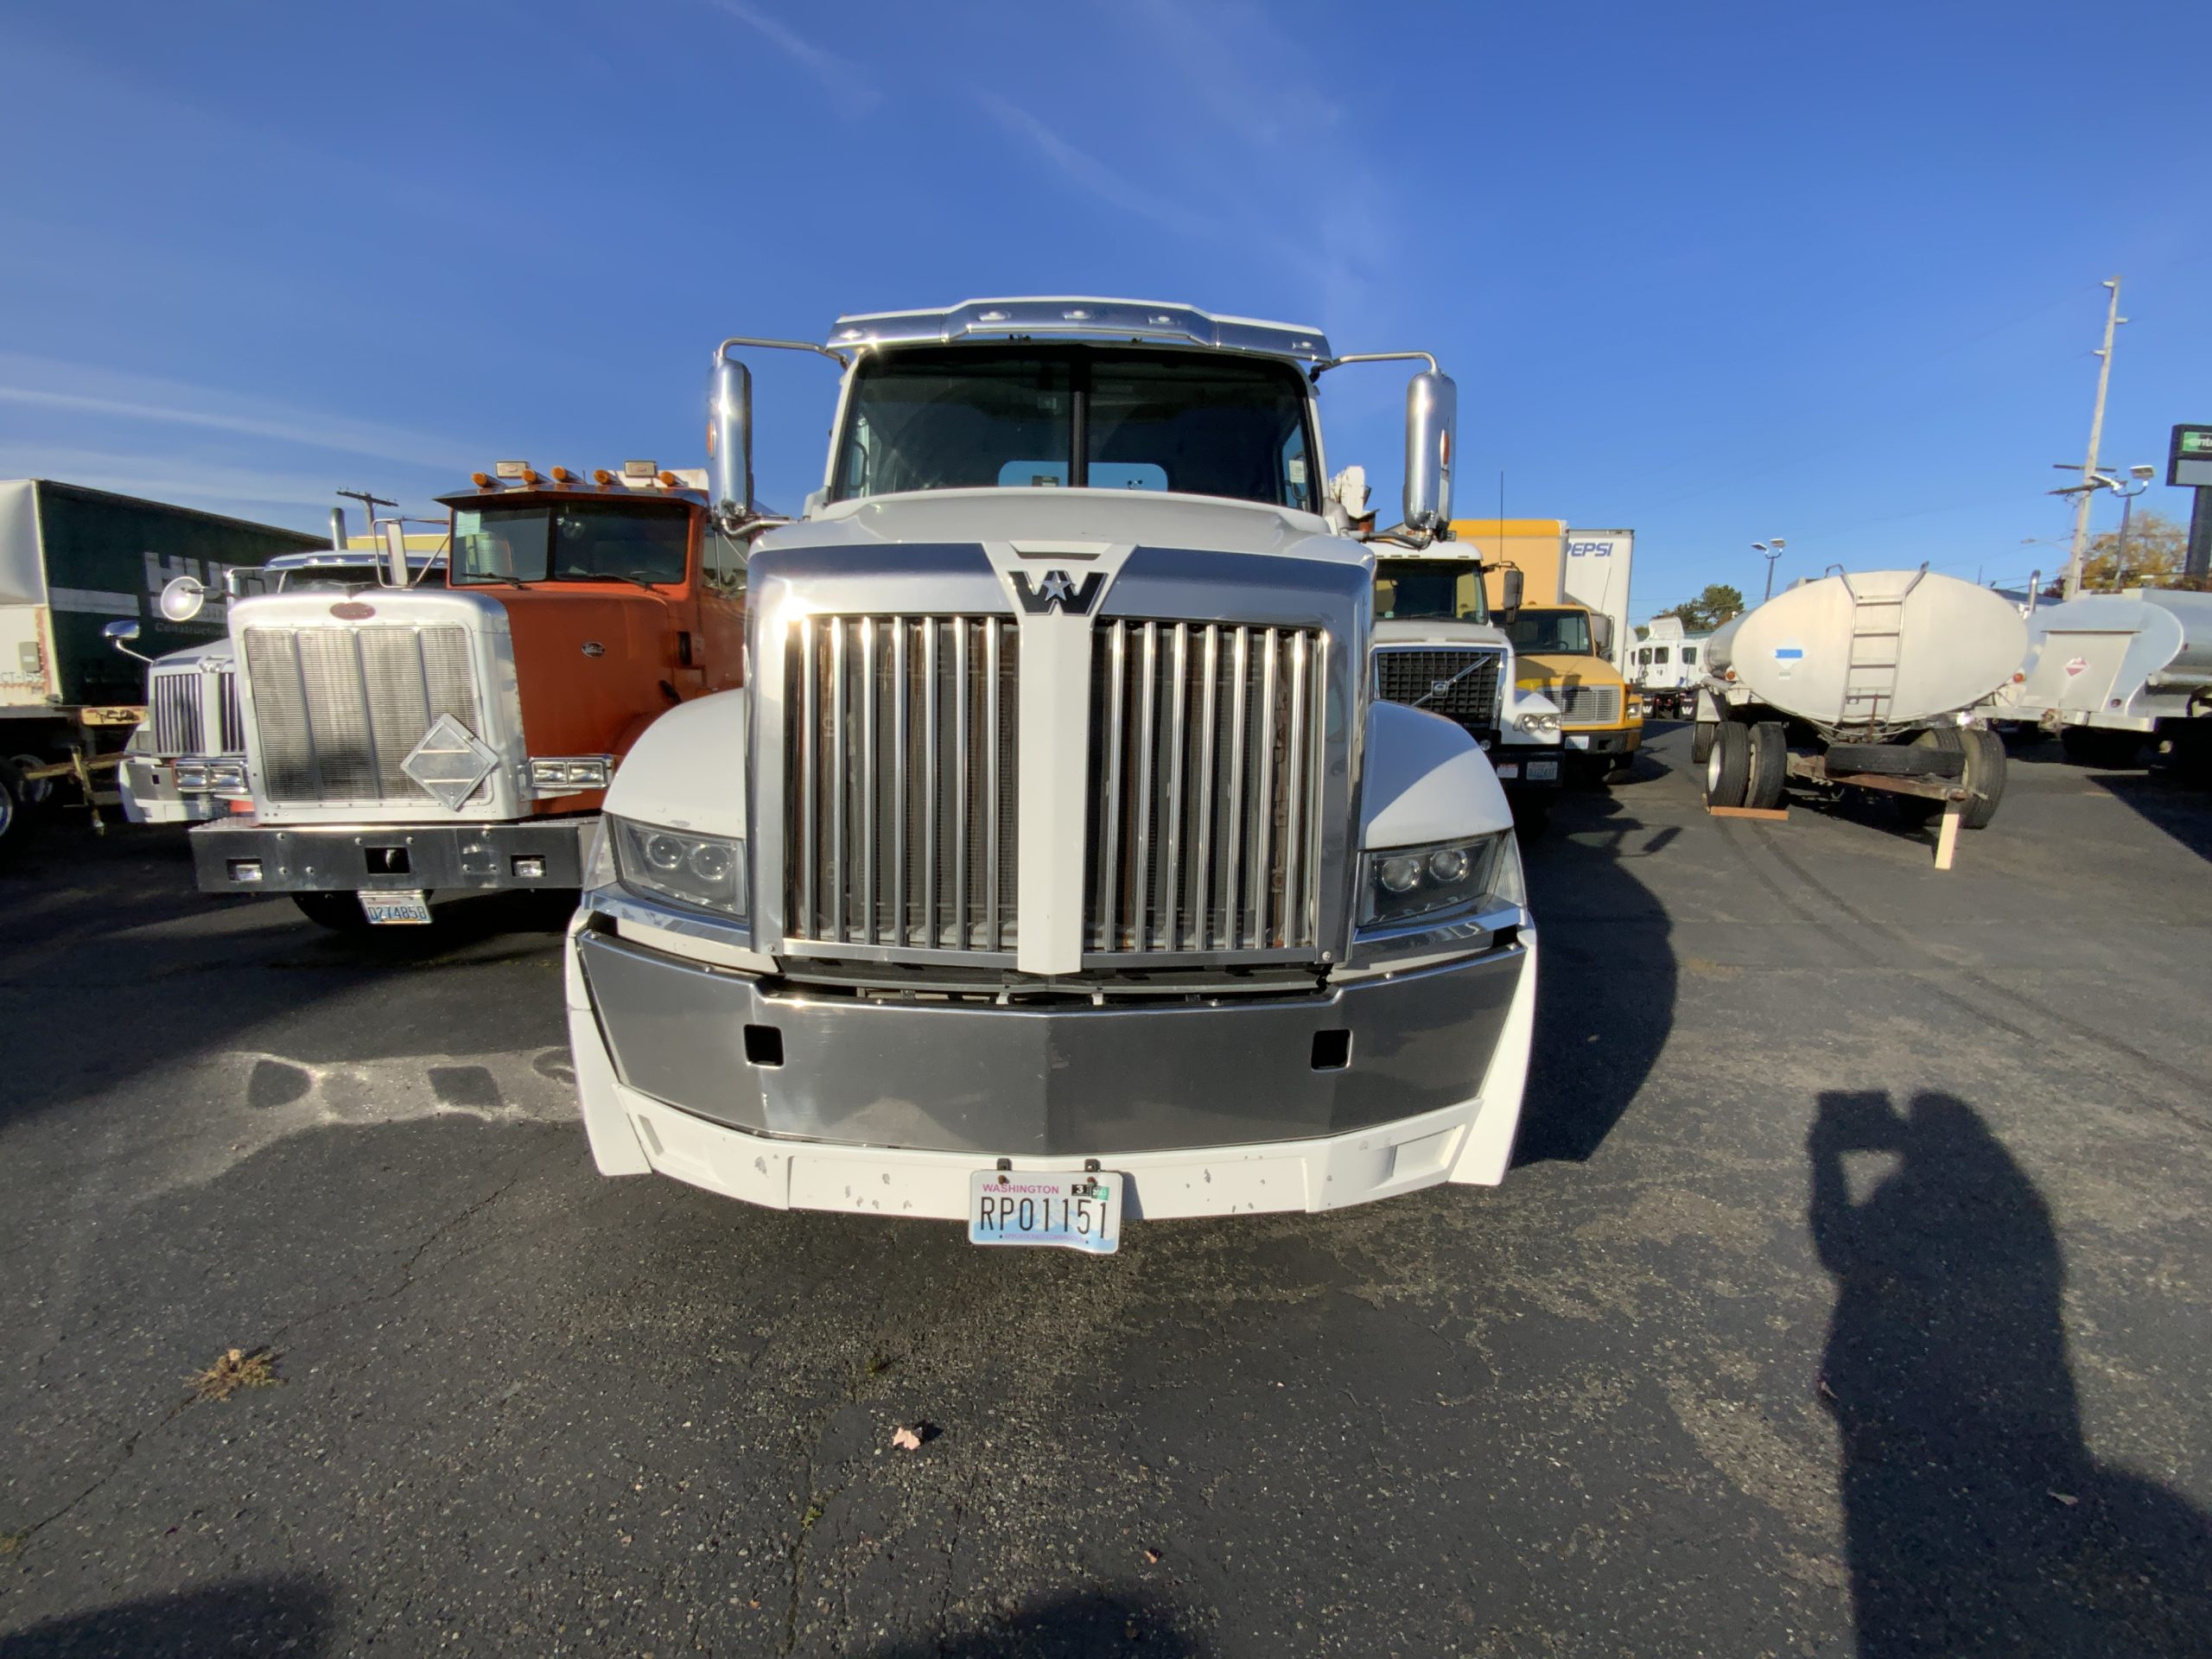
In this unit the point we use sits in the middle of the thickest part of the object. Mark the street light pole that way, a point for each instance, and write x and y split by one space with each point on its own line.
1771 551
2112 320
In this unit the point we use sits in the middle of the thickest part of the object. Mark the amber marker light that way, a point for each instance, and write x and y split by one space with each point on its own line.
562 475
481 480
601 477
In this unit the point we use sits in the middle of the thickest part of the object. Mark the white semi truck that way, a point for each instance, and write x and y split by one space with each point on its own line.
1058 865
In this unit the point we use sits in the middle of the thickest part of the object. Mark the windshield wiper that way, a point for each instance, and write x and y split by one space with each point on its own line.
476 576
619 576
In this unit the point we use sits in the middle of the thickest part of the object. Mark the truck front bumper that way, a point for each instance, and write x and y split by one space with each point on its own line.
148 787
248 856
797 1099
1615 739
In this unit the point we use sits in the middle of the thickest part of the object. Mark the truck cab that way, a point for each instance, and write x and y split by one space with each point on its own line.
1438 648
1563 658
410 739
1058 864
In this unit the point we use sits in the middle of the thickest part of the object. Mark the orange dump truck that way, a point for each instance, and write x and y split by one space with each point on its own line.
405 742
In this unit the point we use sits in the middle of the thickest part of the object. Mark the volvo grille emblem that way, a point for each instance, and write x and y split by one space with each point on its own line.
1057 592
1438 688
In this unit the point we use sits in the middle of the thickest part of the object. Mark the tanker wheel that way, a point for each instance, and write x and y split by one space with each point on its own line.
1702 741
341 912
1728 767
1769 766
1984 777
11 813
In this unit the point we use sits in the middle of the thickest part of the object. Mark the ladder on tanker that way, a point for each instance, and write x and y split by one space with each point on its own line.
1870 679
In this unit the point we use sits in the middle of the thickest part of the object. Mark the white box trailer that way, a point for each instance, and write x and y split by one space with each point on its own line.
1596 573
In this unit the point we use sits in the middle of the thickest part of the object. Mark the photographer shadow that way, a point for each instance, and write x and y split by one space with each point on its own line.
1977 1519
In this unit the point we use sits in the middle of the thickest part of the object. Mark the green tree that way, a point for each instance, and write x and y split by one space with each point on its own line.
2157 550
1710 608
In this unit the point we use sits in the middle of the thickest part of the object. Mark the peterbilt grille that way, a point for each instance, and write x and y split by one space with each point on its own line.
179 726
230 719
1587 705
1459 682
901 761
339 709
1207 758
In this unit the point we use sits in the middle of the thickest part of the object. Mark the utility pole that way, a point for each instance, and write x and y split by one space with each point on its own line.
2112 320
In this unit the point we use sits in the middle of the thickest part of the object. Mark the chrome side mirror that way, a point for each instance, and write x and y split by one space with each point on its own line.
394 554
182 597
729 439
1431 413
123 634
1509 592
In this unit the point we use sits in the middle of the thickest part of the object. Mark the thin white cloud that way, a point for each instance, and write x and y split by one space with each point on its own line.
1092 176
82 389
836 75
245 493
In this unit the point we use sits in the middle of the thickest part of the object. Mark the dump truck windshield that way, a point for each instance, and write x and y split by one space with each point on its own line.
1043 417
1557 633
1448 590
571 540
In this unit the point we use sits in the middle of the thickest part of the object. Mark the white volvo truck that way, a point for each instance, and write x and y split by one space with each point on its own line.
1058 865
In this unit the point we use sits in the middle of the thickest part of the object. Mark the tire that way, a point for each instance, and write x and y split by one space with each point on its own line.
1728 767
1702 741
341 912
1769 766
12 824
1911 759
2091 746
1985 776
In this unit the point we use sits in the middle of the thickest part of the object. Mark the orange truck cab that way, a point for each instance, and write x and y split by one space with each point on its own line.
405 742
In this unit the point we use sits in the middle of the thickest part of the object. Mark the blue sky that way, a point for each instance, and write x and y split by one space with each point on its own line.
1716 272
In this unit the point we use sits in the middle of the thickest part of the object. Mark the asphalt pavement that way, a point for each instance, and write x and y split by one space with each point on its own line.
1850 1296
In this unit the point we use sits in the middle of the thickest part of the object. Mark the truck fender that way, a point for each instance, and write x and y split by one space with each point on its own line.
1426 781
686 769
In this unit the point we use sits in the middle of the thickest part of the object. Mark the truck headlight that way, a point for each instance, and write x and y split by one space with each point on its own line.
1481 872
704 871
1538 723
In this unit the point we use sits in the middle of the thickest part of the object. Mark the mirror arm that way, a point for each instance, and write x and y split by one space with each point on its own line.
1326 364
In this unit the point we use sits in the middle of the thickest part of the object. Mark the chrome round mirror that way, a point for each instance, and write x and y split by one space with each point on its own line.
182 597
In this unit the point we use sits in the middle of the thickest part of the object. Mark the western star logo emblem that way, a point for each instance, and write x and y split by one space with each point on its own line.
1057 592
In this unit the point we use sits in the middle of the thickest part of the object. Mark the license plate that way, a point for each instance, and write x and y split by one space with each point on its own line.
1543 771
1509 768
395 909
1063 1211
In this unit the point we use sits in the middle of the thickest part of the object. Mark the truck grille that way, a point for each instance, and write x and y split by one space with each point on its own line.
229 717
1586 705
1207 760
178 723
1468 677
902 792
339 709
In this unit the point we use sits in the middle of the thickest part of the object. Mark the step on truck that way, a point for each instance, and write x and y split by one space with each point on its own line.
77 564
1058 865
410 740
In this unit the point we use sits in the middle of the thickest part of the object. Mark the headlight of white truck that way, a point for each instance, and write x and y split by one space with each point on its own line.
706 872
1403 883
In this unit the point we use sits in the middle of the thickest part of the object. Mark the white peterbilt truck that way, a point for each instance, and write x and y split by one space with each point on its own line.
1058 864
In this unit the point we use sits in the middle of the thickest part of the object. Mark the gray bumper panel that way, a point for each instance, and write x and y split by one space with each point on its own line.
403 858
1086 1081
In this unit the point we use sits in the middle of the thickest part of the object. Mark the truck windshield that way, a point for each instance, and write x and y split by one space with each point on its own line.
1029 417
571 540
1448 590
1559 633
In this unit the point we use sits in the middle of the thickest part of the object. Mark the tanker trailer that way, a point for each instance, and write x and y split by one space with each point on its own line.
1868 680
2110 673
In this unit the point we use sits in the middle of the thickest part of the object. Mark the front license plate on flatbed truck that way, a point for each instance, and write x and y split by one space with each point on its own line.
1066 1211
387 909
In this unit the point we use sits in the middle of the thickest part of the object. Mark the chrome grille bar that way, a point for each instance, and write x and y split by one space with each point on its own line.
1215 753
230 716
179 727
338 710
900 768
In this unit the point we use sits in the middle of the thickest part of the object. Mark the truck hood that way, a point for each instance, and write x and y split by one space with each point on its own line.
1426 630
1115 516
212 650
1568 669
